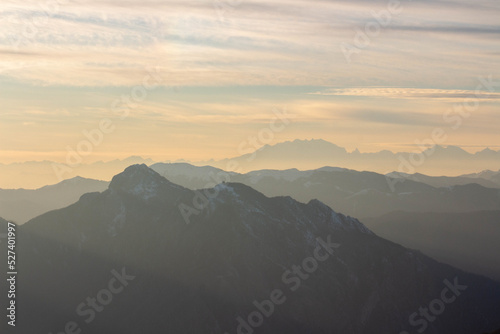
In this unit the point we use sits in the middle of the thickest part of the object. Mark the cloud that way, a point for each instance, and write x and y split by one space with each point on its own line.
409 93
396 118
284 42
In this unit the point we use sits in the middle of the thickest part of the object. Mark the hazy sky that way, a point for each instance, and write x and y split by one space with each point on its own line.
199 77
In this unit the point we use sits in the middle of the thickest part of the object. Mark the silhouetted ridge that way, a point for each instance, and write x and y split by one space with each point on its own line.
141 181
201 259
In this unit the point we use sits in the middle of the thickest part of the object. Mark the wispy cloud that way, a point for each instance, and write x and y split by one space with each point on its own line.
284 42
409 93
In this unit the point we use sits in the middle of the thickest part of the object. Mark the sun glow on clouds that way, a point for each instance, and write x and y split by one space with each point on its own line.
62 66
256 42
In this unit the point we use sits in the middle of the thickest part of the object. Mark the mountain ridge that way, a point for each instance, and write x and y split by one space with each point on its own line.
235 253
301 154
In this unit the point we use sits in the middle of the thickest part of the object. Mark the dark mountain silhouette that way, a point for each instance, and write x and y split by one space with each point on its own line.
466 240
202 276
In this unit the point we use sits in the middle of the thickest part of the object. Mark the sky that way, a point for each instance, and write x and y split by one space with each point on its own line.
194 79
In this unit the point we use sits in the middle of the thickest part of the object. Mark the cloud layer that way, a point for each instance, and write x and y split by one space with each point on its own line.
222 42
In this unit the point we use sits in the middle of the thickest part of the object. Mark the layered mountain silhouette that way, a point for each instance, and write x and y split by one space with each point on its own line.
466 240
20 205
487 175
360 194
301 154
37 174
214 272
486 180
313 154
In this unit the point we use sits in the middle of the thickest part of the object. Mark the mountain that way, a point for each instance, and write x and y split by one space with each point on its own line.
36 174
149 256
487 153
466 240
361 194
445 181
315 153
300 154
485 175
193 177
20 205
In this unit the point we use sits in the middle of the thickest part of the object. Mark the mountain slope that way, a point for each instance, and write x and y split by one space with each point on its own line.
466 240
20 205
240 249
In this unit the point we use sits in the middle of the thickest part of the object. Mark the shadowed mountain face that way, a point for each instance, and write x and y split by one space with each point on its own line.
466 240
326 272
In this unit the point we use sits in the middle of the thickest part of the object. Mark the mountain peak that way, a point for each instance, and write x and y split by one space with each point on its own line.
139 180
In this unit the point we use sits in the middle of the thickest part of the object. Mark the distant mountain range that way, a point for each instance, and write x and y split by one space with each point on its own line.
486 175
359 194
313 154
301 154
466 240
20 205
488 179
36 174
303 267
